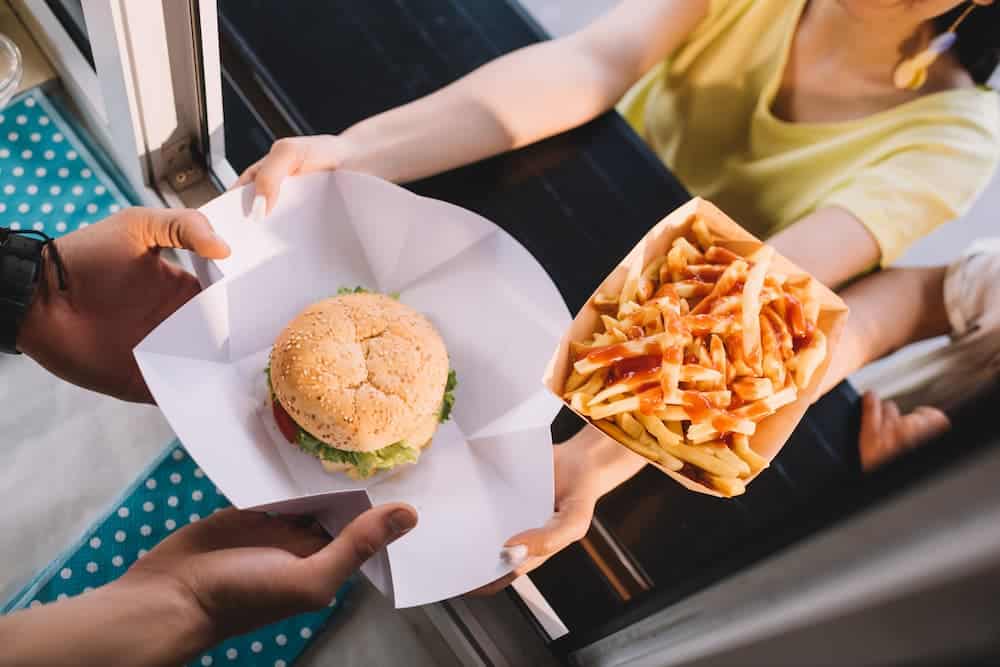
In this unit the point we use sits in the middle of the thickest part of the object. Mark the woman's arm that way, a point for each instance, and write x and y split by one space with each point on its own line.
831 244
889 309
520 98
525 96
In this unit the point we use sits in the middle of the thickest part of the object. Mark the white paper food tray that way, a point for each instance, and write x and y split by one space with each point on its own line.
488 474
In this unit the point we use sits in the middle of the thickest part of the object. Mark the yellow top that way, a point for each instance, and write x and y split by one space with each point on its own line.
706 111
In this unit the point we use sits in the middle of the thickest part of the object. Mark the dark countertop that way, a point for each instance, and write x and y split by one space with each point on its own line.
578 202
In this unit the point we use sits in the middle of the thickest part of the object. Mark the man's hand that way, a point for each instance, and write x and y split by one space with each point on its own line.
885 433
243 570
119 289
222 576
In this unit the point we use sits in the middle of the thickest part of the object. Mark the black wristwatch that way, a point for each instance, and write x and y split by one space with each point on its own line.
20 272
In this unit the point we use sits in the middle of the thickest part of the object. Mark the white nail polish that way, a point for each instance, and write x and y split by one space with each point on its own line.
515 555
258 209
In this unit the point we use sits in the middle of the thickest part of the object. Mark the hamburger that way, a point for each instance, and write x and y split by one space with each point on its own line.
361 382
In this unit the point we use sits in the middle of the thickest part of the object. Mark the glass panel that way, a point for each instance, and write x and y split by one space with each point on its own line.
70 15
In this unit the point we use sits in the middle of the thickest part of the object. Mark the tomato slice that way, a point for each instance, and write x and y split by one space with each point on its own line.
288 428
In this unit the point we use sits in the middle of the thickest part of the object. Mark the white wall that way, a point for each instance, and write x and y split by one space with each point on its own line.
560 17
949 241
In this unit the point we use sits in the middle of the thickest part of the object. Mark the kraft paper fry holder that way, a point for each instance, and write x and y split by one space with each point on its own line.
773 432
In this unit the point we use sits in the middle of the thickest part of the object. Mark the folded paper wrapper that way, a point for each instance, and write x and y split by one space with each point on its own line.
772 432
488 474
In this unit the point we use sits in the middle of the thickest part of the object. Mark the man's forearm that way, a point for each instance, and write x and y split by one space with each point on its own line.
114 625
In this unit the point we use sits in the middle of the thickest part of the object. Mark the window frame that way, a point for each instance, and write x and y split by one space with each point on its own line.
166 102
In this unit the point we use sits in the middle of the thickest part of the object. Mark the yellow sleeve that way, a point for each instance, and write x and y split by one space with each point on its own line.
715 9
908 193
633 104
720 14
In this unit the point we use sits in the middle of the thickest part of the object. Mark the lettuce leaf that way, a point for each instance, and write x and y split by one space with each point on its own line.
366 463
361 290
448 401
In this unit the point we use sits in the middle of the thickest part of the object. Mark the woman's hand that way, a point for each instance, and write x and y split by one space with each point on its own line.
885 433
222 576
292 156
119 289
587 466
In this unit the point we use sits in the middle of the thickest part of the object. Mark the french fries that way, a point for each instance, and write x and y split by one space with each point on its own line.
700 346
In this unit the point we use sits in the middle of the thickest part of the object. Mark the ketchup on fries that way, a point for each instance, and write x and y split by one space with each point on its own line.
698 348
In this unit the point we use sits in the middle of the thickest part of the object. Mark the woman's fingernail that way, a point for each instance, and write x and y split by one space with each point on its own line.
514 555
258 209
402 522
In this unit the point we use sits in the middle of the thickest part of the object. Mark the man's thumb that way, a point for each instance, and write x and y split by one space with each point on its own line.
183 229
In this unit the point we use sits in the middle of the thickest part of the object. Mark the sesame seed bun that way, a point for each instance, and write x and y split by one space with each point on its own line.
361 372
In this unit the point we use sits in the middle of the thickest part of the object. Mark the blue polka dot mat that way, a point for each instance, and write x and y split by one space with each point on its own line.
50 181
172 493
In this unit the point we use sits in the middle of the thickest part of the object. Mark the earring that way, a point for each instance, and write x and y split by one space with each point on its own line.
911 74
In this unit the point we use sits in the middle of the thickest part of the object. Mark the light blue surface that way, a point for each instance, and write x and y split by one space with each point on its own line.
172 493
49 179
51 182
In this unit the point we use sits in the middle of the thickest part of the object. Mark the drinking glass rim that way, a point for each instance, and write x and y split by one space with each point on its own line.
7 44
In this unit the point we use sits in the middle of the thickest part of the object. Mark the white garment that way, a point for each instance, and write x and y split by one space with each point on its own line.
946 376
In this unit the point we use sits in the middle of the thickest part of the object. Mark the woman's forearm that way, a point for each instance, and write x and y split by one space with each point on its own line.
114 625
889 310
610 463
524 96
831 244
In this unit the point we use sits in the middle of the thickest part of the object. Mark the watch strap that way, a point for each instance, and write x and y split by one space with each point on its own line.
20 271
